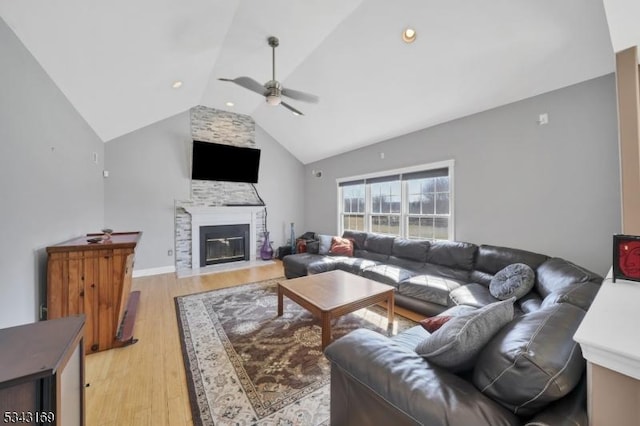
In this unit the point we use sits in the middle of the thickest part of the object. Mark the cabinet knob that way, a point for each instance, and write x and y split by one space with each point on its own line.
93 286
94 347
81 293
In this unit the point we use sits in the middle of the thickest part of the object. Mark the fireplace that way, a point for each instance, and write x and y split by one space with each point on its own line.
224 243
213 216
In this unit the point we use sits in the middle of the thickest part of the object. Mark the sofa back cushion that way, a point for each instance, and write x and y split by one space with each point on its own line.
379 243
454 254
580 295
459 275
557 274
533 360
415 250
492 259
357 237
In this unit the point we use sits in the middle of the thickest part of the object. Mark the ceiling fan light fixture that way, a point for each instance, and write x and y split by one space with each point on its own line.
409 35
273 100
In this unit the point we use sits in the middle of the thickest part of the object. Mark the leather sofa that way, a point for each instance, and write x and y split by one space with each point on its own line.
531 372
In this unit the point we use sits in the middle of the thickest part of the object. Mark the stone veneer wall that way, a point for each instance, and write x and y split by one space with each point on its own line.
211 125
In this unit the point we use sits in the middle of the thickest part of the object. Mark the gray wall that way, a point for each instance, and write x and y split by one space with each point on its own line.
552 188
50 188
149 170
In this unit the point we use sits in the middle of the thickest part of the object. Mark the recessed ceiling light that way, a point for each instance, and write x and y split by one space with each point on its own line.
409 35
177 84
229 104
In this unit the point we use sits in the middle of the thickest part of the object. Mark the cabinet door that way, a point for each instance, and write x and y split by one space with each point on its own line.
65 283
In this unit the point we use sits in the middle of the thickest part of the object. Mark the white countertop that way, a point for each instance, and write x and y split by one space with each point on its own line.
609 334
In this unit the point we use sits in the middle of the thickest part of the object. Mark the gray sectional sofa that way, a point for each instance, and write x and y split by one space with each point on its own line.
530 372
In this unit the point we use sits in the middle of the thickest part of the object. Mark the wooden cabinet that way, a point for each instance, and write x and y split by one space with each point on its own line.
42 373
95 279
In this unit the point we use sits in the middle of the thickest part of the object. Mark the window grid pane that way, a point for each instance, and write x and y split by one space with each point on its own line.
353 222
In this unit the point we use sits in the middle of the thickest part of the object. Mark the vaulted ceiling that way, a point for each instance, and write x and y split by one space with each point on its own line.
116 61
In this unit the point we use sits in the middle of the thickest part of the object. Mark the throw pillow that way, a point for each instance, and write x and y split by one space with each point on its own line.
341 247
313 247
432 324
516 280
301 246
456 344
325 244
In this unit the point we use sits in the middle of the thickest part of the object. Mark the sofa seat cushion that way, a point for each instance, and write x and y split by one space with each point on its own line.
431 288
405 263
460 275
295 265
473 294
323 264
371 255
388 274
533 361
456 344
354 265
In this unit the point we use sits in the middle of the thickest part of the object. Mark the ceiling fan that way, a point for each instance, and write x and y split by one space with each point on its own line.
272 90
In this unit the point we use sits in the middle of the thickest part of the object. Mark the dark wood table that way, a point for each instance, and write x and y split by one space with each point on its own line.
334 294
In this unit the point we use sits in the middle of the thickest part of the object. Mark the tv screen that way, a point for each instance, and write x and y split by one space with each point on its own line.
214 161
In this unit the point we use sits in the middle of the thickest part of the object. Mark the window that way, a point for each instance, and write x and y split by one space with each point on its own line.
353 210
414 203
385 209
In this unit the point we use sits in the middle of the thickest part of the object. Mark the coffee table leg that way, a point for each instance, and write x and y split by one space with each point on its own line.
326 329
390 305
280 301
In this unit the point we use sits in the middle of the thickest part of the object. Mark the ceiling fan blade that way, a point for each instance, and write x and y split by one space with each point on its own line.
300 96
290 108
247 83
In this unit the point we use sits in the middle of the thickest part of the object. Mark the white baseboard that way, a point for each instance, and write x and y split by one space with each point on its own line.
153 271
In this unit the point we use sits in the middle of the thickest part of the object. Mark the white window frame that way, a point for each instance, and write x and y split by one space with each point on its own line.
404 214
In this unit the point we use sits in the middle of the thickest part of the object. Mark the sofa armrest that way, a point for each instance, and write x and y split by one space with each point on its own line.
568 411
404 382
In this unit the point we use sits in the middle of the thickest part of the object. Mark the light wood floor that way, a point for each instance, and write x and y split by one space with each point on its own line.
145 383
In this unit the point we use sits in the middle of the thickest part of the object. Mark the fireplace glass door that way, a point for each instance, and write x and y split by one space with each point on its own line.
223 243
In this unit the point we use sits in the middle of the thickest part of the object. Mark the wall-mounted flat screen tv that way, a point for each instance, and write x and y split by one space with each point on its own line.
215 161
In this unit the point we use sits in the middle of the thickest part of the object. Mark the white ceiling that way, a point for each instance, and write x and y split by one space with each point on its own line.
115 61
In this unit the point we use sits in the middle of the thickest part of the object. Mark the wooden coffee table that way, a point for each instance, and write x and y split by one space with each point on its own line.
333 294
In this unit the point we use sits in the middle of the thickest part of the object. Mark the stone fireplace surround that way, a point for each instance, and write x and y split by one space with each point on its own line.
208 198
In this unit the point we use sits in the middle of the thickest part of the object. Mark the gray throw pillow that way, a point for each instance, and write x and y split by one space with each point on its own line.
456 344
516 280
313 247
325 244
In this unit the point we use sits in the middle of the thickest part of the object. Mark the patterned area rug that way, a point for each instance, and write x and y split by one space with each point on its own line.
247 366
